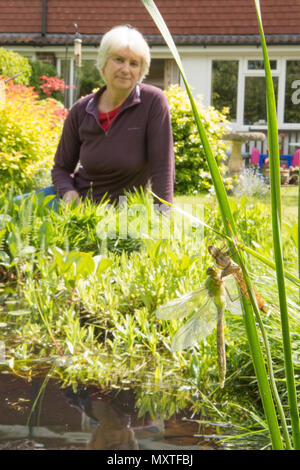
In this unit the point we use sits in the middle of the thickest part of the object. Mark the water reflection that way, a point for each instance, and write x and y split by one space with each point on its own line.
34 416
112 421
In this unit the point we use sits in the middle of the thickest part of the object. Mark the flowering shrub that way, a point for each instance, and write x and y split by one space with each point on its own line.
39 70
53 85
192 172
29 132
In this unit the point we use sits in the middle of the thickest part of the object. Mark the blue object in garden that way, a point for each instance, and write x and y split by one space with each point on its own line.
263 156
49 191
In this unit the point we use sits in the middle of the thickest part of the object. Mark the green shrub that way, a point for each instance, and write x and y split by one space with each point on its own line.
89 78
192 172
12 63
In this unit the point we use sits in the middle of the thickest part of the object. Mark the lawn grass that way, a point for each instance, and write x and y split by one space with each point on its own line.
289 197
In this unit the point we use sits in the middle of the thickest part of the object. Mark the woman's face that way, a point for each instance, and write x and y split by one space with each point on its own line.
123 70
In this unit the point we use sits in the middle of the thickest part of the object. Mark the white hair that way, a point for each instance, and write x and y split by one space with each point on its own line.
119 37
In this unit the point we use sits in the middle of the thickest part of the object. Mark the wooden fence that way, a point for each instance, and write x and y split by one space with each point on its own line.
289 137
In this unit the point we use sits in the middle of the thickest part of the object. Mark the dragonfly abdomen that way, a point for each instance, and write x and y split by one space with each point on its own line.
241 282
221 347
236 271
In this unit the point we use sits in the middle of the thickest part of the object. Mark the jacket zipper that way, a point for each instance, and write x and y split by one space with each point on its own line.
138 92
128 106
91 189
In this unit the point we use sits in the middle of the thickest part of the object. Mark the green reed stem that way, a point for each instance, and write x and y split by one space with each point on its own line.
276 229
273 382
299 228
269 357
228 221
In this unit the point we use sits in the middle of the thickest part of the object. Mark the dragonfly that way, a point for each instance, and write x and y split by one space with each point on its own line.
207 306
228 267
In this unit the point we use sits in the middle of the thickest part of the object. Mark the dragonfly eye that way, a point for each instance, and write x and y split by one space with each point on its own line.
212 250
210 271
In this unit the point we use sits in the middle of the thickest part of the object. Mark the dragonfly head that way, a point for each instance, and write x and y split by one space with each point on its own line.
212 250
221 259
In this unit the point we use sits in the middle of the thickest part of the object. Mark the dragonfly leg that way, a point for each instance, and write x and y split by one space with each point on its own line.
230 269
231 298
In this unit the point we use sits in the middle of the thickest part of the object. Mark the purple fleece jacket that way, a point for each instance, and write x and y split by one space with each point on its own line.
136 149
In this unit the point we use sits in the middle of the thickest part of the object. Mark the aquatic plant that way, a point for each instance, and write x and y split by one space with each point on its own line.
101 327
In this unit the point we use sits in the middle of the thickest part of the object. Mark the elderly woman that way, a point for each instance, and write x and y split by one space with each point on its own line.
120 137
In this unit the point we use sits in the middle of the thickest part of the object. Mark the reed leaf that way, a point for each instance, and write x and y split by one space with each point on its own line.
276 230
229 225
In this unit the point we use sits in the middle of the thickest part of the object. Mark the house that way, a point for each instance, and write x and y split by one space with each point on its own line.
218 41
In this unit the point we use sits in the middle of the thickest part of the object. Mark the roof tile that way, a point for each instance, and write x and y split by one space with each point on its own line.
183 17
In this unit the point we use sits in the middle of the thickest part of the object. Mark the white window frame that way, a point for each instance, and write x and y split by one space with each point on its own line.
243 72
70 83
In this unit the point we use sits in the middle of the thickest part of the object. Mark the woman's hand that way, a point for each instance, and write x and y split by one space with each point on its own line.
71 196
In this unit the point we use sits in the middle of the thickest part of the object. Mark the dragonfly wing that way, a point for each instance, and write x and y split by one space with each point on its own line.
231 286
235 306
233 302
196 328
183 306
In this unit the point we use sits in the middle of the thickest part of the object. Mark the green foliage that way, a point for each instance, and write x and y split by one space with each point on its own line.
40 68
192 172
89 78
29 133
224 86
12 63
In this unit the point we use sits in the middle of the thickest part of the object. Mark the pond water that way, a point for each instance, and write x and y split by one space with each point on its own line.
34 417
